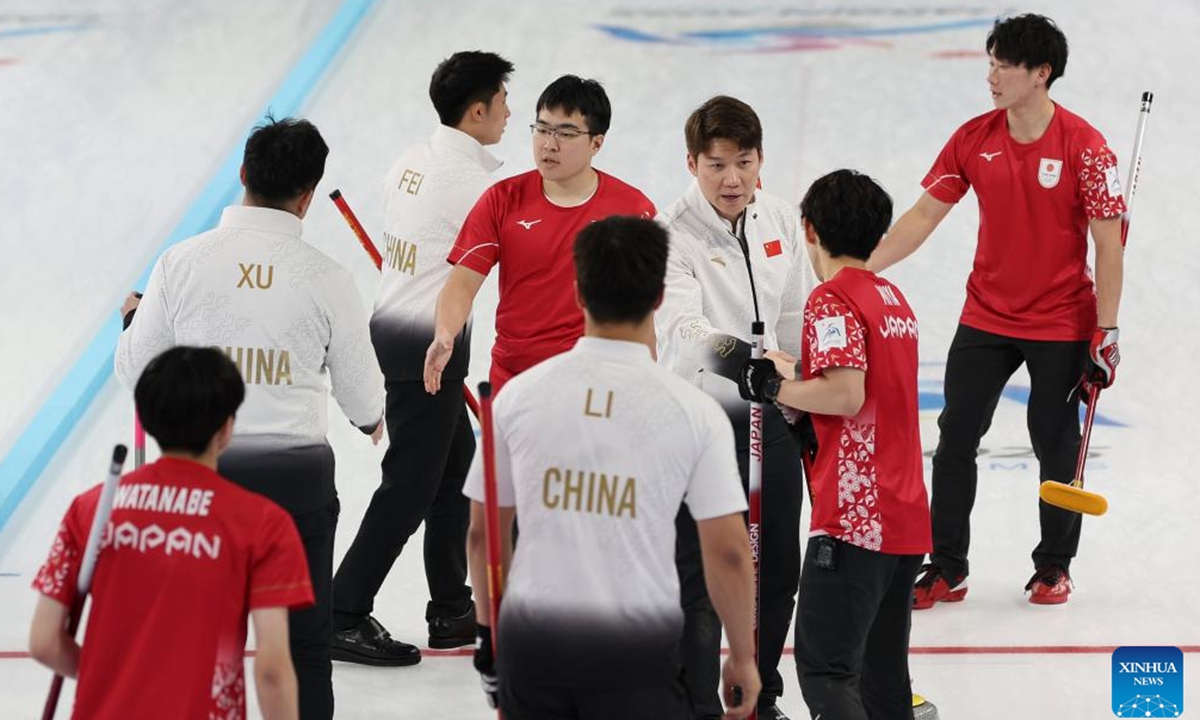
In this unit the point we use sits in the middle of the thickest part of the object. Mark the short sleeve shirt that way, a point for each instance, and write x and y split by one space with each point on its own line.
868 484
597 449
186 556
1030 279
532 239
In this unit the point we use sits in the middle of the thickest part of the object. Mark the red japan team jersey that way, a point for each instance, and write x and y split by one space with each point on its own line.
186 556
868 479
1030 279
532 239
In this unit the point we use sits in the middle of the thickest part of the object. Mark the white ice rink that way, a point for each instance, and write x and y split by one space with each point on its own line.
117 120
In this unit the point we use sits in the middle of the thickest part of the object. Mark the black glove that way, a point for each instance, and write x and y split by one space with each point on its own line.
758 381
485 663
806 436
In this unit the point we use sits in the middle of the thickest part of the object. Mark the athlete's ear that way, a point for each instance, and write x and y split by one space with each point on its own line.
810 232
478 111
578 298
225 434
1042 73
303 204
662 291
691 164
597 142
242 175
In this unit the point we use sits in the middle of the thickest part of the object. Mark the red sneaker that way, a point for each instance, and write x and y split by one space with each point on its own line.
932 587
1050 585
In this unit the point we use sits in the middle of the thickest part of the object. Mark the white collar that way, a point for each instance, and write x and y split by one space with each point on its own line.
247 217
450 138
626 349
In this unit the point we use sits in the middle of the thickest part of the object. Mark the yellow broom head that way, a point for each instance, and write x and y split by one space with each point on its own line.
1072 497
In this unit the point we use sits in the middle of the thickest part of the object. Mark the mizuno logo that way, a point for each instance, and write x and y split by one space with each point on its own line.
528 224
989 156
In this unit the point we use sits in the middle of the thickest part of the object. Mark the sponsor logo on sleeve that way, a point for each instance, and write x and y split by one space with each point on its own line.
831 333
1112 179
1049 172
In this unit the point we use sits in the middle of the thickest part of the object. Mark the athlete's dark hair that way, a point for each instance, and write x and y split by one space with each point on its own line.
620 265
723 118
849 211
464 79
571 93
1030 41
283 160
185 395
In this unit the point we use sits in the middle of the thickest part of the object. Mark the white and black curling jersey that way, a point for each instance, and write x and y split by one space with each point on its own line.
427 195
597 448
287 315
703 325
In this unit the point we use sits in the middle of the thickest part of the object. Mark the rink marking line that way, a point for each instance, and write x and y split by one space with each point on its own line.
921 650
43 30
62 410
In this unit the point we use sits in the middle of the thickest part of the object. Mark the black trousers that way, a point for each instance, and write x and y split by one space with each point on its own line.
431 444
779 572
978 366
288 477
528 701
852 629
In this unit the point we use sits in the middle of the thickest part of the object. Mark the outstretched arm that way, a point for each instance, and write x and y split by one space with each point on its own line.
453 308
837 391
909 232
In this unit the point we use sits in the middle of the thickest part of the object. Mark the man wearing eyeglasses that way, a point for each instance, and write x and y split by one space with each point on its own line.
528 224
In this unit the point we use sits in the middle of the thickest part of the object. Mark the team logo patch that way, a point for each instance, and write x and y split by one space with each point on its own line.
773 248
831 333
1113 180
1049 172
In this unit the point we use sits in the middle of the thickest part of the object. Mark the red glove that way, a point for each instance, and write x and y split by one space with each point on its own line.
1103 357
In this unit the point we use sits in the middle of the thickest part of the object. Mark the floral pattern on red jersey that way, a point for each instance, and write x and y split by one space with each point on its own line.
860 521
858 495
1098 202
822 306
228 691
56 577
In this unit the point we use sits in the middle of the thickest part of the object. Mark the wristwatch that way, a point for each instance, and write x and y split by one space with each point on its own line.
770 388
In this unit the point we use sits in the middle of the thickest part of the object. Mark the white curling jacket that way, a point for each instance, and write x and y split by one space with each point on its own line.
703 326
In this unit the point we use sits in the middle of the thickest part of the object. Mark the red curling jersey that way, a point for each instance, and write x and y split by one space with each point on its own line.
533 240
868 480
184 559
1030 279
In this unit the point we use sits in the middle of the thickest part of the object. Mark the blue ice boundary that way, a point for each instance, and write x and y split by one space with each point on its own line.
61 412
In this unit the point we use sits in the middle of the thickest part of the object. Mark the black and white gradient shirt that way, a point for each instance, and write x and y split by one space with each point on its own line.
597 448
427 195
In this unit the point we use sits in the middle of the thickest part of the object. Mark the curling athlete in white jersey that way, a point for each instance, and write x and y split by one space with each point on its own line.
595 452
292 321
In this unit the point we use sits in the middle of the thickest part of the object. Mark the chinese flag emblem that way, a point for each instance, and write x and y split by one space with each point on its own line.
773 248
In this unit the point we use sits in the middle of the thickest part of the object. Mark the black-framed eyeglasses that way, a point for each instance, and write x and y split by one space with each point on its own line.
562 133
